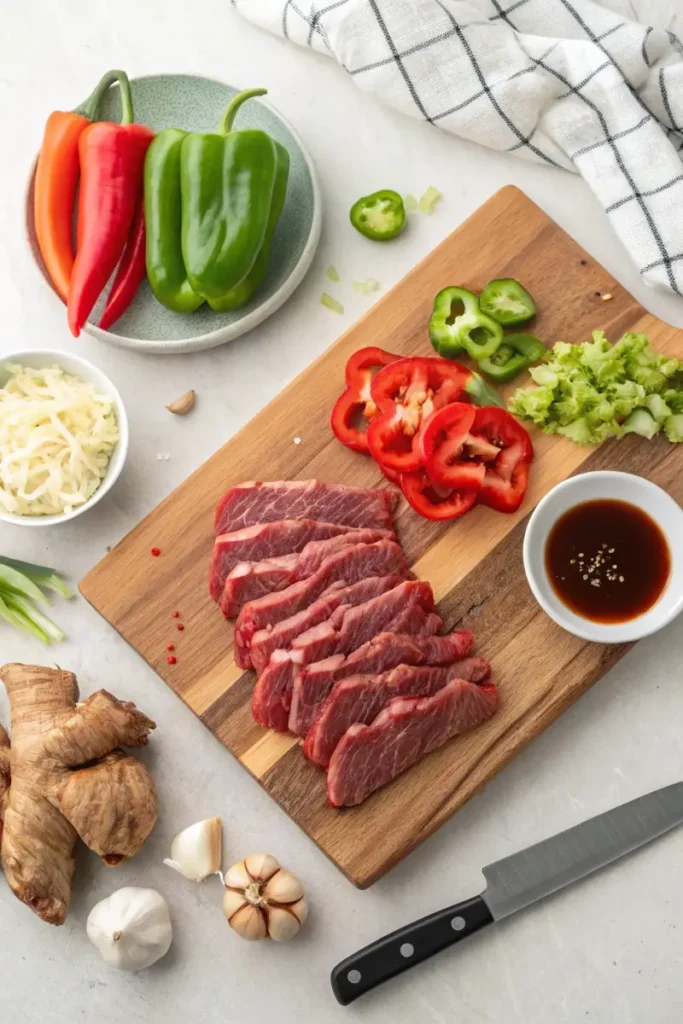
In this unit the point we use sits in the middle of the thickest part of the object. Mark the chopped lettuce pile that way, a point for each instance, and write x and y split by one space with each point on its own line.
596 390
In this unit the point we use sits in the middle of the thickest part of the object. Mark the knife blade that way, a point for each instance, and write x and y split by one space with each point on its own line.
513 883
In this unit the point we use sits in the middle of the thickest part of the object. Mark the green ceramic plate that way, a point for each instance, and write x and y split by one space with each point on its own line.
196 104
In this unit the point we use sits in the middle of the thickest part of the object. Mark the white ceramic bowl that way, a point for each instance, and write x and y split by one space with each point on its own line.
595 487
86 371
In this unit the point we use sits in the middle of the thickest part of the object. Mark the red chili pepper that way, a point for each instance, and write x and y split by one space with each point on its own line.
354 408
130 274
172 659
506 477
112 158
180 626
433 502
155 552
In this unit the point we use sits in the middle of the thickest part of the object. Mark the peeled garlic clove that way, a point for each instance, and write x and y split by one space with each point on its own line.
181 406
196 851
250 923
283 887
261 866
282 925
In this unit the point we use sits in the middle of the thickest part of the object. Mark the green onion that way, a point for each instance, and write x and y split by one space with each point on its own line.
410 203
365 287
20 584
330 303
429 199
333 273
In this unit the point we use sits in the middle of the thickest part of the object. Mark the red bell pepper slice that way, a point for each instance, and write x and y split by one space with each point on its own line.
445 451
355 407
434 502
506 477
406 393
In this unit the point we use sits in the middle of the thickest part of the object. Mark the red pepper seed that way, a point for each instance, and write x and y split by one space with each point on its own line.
176 615
171 659
181 627
155 552
170 647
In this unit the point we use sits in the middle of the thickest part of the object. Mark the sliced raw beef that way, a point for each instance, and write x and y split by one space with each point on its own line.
281 635
313 683
409 605
352 564
370 756
257 502
361 698
251 580
264 540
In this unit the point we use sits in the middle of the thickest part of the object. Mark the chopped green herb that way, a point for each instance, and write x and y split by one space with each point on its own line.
410 203
429 199
333 273
365 287
329 303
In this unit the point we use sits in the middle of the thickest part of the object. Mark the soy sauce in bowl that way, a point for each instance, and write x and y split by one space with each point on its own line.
607 560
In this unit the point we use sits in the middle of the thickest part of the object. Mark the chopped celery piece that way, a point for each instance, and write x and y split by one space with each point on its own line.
333 273
329 303
429 199
410 203
365 287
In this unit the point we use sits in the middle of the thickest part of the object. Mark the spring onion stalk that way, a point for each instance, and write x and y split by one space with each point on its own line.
330 303
20 592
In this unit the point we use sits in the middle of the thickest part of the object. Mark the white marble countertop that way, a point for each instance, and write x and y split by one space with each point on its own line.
607 950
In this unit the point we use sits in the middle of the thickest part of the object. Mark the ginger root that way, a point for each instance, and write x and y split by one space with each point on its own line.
64 777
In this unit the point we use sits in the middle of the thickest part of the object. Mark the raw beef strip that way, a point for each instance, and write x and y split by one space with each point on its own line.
370 756
352 564
264 540
258 502
281 635
409 605
361 698
313 683
251 580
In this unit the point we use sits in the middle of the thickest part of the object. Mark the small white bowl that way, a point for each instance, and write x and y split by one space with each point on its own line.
86 371
595 487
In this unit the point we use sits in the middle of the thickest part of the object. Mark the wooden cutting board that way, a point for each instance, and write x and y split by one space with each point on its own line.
474 565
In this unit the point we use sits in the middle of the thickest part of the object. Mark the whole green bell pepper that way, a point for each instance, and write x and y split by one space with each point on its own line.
227 183
163 209
457 323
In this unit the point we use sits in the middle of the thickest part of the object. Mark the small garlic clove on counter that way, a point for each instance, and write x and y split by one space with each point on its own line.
196 851
184 404
261 900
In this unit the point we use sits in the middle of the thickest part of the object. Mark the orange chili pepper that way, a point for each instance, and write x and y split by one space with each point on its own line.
55 185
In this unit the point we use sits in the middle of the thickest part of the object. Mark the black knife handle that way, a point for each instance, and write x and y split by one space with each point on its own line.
405 947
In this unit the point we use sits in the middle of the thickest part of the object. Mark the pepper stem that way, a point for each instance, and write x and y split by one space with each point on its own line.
234 105
89 109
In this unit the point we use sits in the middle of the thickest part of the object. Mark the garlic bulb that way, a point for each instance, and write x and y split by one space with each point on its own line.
261 900
131 928
196 851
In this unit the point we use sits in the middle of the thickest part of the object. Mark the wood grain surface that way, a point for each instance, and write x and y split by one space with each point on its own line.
474 565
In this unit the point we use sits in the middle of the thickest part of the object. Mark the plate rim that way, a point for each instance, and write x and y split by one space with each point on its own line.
230 332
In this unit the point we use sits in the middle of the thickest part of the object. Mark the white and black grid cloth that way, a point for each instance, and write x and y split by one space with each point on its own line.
567 83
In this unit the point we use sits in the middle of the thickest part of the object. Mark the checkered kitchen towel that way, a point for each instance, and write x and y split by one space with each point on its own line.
562 82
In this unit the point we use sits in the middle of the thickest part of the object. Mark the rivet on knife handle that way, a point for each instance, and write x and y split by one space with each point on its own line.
410 945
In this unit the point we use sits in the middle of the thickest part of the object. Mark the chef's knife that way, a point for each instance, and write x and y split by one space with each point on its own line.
512 884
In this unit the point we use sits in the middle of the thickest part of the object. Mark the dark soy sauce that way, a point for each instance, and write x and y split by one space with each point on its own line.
607 560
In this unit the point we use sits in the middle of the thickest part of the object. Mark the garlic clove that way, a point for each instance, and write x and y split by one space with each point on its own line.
283 887
282 925
249 923
182 405
261 866
196 851
233 900
238 877
300 910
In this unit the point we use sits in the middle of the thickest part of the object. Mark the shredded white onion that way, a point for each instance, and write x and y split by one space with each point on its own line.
57 434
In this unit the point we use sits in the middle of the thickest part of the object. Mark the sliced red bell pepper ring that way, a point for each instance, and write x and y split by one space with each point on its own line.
354 408
444 448
433 502
506 477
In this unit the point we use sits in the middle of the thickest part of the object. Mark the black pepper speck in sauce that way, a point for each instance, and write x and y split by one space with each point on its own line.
607 560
